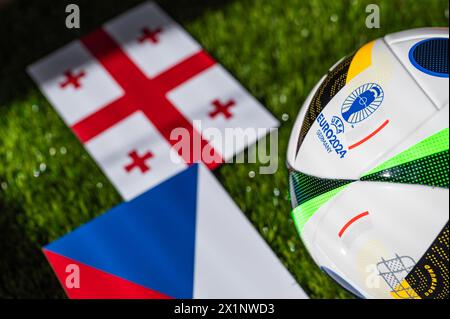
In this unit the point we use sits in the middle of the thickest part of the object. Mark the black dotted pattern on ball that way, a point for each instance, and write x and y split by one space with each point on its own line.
432 55
432 170
307 187
430 278
330 86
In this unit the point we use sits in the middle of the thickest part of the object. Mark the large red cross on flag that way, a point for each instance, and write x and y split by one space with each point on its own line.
124 88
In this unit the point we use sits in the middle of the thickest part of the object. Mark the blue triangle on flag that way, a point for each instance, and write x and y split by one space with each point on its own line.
149 240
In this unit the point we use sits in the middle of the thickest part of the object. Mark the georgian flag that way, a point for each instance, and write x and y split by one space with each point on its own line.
185 238
124 88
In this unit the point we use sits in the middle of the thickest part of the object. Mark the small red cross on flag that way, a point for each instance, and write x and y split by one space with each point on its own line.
150 35
135 83
138 161
222 109
72 79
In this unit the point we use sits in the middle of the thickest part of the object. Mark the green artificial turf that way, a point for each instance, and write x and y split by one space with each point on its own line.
277 49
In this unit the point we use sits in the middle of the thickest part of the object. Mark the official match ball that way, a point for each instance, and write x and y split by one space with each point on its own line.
368 162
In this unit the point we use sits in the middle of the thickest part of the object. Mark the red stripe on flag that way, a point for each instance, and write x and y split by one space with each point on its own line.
182 72
147 95
103 119
96 283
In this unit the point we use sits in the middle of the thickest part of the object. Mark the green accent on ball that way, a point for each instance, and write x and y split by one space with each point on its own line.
436 143
426 163
430 170
301 214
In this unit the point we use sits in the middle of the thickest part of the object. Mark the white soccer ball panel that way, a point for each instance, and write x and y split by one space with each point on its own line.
403 109
436 87
400 219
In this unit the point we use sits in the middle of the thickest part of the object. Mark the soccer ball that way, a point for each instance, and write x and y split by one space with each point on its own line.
368 163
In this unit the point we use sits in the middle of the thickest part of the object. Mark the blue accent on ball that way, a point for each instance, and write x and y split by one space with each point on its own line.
341 281
430 56
362 103
338 124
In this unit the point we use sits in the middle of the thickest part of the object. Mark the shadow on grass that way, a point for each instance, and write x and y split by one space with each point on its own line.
25 271
32 29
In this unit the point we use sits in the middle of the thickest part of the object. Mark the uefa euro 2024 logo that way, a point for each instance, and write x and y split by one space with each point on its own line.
338 124
362 103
